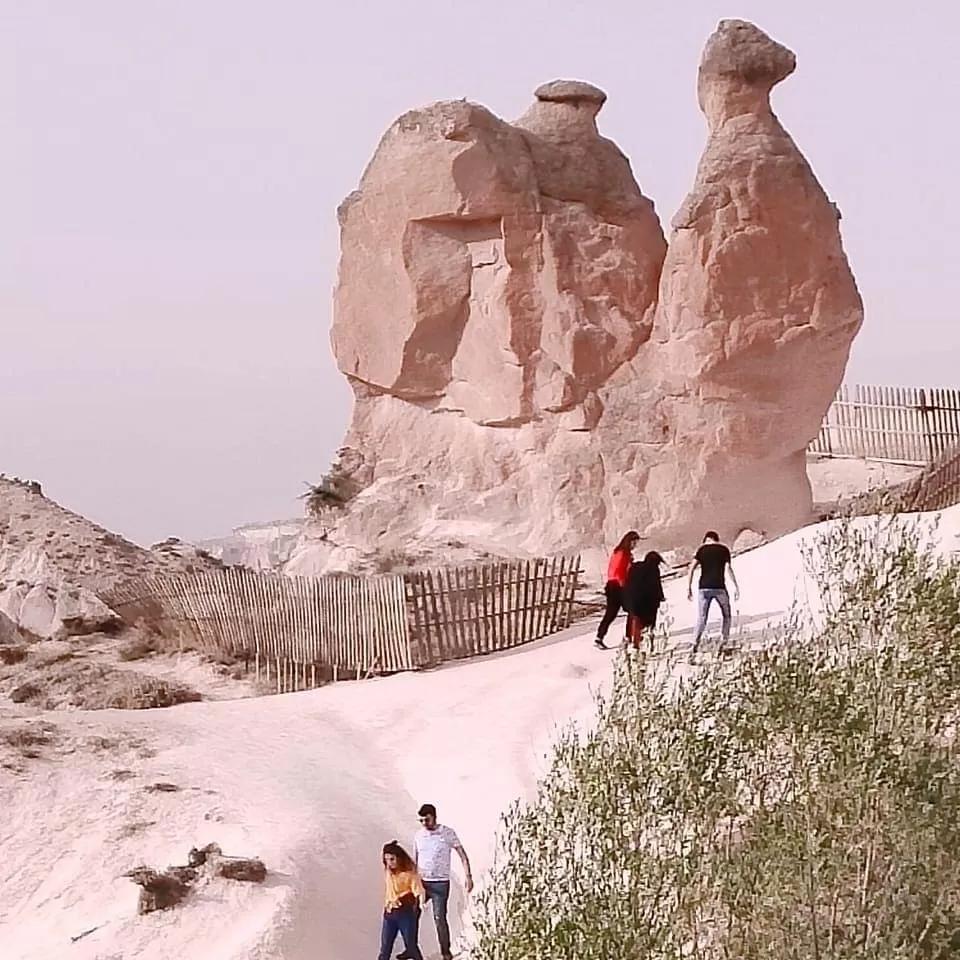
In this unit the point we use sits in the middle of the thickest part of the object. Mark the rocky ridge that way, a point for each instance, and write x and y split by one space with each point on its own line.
60 644
55 563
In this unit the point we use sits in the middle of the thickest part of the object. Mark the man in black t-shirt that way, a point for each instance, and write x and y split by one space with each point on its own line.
713 559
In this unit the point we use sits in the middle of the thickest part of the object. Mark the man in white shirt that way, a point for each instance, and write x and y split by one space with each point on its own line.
432 847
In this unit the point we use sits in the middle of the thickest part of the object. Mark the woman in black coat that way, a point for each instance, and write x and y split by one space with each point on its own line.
642 596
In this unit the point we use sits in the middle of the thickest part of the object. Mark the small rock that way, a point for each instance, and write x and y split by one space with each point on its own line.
240 868
211 856
25 692
9 631
162 787
199 855
747 540
48 652
160 890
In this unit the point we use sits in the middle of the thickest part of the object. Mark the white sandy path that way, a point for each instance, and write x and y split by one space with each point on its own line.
313 783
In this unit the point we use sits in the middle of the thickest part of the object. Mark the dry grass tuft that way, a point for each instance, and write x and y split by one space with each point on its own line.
138 648
20 741
11 655
28 735
85 685
162 787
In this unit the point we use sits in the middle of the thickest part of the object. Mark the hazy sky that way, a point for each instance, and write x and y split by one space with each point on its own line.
170 170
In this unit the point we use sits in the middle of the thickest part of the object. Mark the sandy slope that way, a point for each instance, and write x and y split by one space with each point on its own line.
837 478
311 782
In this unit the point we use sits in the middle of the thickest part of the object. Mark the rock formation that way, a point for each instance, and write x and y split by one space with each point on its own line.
163 889
9 632
260 546
499 273
54 564
758 309
535 371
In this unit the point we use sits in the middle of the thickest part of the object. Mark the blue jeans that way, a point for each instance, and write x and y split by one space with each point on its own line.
406 922
438 893
704 599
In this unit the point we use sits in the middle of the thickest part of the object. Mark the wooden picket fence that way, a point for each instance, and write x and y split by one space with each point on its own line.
938 487
908 425
299 632
460 612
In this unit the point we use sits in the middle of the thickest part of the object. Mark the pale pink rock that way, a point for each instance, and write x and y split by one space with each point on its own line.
535 372
499 272
758 308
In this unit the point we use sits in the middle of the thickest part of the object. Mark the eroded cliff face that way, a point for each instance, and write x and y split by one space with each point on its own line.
493 271
757 311
535 371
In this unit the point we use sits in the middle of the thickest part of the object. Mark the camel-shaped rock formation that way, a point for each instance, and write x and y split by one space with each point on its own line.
535 370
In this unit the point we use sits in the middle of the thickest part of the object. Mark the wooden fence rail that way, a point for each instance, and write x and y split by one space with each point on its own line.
938 487
899 424
301 631
463 611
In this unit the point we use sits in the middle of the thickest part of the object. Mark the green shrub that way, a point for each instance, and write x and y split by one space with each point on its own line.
801 800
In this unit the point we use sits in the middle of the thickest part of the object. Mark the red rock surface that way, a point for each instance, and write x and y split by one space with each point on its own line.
536 371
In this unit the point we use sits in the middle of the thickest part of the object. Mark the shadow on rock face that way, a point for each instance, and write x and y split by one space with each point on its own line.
523 344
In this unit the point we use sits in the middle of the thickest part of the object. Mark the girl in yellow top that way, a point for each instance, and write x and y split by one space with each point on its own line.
403 900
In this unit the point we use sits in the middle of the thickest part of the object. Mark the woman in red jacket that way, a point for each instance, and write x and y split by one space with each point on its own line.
617 570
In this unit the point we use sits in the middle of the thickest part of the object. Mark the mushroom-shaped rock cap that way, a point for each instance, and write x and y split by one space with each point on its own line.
739 50
570 91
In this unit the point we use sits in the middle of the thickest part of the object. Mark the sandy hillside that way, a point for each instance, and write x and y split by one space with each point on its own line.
311 782
78 550
60 645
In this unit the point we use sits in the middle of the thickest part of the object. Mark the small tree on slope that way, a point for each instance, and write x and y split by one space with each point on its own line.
798 801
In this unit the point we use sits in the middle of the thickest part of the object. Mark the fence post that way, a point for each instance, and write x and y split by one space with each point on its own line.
924 413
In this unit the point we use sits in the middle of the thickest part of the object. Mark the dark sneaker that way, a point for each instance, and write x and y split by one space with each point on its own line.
600 645
403 956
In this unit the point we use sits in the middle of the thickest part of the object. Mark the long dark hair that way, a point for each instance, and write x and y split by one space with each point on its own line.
627 541
404 861
653 558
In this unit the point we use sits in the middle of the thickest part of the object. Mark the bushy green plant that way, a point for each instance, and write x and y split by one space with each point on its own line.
801 800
